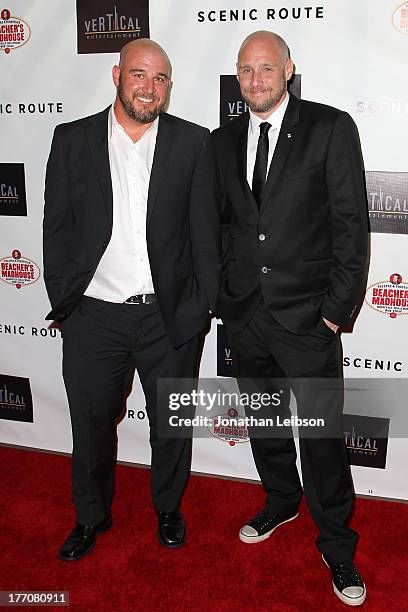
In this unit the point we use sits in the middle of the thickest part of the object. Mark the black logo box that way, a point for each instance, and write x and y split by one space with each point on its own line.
12 176
231 103
16 403
225 365
110 36
387 194
366 440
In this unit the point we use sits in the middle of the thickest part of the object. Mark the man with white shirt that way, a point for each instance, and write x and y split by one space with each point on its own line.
131 265
294 213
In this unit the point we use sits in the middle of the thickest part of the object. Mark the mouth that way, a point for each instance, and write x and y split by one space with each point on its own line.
145 100
258 92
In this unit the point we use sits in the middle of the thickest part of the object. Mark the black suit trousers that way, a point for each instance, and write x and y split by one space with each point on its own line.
265 350
102 343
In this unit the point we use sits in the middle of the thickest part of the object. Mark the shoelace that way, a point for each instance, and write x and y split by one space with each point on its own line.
263 518
346 574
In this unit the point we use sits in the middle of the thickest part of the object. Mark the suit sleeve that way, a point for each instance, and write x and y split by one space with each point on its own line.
205 223
55 223
221 158
349 220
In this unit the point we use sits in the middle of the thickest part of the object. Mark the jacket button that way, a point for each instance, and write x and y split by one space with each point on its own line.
264 270
261 237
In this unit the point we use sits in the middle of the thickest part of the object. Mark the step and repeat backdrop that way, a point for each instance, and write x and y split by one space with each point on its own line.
56 58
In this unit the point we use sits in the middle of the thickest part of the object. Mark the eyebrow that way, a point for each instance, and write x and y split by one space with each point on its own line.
163 74
264 64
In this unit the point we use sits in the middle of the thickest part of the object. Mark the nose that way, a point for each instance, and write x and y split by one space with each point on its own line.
257 78
149 85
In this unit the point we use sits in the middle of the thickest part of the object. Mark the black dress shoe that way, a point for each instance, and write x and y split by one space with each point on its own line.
82 539
172 529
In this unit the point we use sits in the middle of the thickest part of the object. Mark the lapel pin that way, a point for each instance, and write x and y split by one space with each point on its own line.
289 135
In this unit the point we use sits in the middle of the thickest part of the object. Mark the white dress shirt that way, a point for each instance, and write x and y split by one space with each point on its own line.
124 268
275 119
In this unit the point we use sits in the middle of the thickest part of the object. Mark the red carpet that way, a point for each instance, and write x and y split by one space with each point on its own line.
129 570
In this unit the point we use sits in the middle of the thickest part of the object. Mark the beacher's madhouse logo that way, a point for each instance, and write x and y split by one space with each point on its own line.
17 270
400 18
228 427
14 32
389 297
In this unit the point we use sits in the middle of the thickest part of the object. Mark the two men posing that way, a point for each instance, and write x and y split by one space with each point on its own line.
132 265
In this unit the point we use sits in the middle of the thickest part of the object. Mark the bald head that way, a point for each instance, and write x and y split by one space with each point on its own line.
143 81
263 68
141 46
269 39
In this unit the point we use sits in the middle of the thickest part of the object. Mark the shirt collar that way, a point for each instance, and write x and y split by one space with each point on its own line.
275 118
113 124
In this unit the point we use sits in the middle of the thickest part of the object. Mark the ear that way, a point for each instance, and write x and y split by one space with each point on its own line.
289 69
115 75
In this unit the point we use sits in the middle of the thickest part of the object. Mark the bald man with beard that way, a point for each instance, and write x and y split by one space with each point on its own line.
295 216
131 265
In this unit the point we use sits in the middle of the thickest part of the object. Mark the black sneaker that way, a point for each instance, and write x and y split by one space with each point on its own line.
347 582
262 526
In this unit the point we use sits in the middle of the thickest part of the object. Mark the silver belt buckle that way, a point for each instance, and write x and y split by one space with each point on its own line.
138 299
133 299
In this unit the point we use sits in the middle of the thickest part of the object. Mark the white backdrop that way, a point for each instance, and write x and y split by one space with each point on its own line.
351 56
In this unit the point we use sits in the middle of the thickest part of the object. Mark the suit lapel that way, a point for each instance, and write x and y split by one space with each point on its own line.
283 147
164 142
241 146
97 135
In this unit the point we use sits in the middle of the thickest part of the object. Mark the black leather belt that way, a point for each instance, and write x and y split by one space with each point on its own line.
144 298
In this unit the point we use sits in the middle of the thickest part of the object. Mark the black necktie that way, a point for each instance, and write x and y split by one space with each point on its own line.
261 162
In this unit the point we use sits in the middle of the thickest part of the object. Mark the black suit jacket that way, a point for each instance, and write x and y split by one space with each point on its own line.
305 250
183 238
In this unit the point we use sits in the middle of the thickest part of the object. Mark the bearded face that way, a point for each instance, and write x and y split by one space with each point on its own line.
142 104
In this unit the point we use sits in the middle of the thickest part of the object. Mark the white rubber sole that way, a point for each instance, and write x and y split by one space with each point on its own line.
265 536
349 601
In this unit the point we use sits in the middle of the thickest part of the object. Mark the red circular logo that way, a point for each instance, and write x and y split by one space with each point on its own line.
5 14
395 278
